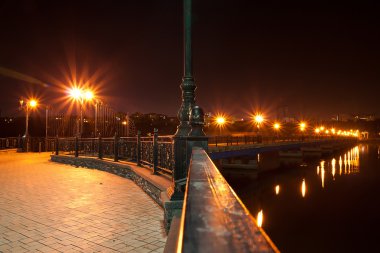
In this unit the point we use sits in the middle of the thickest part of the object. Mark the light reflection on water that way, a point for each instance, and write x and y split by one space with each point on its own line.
323 173
277 189
309 194
303 188
260 218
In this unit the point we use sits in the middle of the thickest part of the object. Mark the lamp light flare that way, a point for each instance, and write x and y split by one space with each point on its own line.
276 126
33 103
88 95
220 120
75 93
259 118
302 126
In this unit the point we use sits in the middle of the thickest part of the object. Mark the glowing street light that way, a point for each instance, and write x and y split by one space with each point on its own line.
30 104
276 128
220 121
78 94
302 126
259 119
88 95
75 93
33 103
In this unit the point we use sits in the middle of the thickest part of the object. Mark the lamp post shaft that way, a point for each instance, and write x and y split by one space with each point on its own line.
27 121
96 120
188 85
188 66
81 120
46 128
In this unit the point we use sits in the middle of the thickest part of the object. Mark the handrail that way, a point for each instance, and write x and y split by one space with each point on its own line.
213 217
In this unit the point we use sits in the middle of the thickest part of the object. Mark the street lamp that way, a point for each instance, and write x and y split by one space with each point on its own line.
78 94
220 121
259 119
30 104
302 127
276 127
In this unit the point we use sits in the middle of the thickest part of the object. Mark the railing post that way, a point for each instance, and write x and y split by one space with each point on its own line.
56 145
19 141
216 141
116 148
138 155
76 146
100 147
155 151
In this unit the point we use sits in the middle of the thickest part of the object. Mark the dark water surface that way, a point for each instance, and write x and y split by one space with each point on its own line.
321 204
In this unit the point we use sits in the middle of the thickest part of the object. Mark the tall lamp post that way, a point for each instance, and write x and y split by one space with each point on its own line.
302 127
220 121
189 113
276 127
188 85
259 119
81 96
27 105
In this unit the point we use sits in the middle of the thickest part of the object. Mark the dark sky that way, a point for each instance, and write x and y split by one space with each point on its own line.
318 58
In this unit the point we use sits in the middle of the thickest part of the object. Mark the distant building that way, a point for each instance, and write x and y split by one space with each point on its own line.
365 117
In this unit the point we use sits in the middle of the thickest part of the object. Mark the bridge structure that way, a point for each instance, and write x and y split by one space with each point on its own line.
201 211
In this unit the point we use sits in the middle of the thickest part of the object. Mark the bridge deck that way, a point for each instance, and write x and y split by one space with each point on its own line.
50 207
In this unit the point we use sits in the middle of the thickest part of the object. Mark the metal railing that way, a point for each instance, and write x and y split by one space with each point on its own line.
213 217
10 142
154 152
215 141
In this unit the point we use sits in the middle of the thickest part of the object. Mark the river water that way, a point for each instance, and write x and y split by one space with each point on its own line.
328 204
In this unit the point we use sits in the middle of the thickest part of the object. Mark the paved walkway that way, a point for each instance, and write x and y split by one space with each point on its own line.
50 207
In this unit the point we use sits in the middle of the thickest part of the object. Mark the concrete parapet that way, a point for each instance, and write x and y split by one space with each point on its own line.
150 184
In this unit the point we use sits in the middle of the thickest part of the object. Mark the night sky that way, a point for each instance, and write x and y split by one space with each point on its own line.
317 58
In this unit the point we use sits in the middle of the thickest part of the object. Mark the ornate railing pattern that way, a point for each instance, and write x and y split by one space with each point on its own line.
127 148
154 152
11 142
67 145
108 147
147 151
165 155
89 147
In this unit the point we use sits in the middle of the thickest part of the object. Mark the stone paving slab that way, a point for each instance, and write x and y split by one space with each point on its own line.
51 207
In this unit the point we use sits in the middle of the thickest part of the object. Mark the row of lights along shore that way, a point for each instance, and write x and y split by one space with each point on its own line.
258 120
